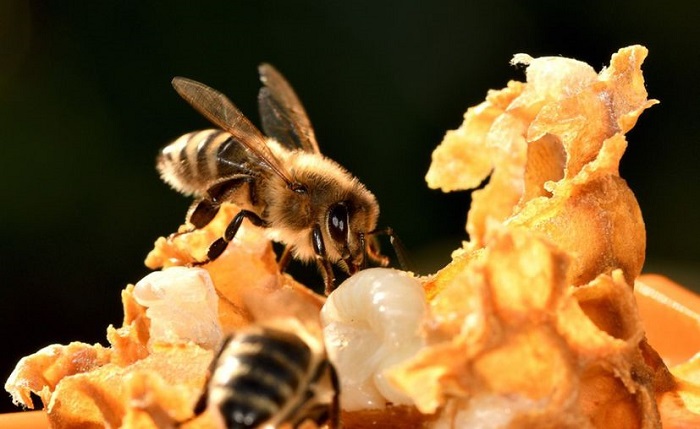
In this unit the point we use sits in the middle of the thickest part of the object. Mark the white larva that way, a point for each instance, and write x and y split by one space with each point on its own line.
182 305
372 322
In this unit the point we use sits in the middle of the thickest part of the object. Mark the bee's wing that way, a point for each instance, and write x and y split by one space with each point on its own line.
222 112
282 114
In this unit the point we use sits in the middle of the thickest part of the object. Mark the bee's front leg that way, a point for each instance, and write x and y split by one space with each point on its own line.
284 259
324 264
373 252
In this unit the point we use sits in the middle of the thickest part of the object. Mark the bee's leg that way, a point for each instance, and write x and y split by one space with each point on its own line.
324 264
373 253
203 402
160 415
219 245
202 212
199 408
318 408
347 266
334 418
285 257
373 248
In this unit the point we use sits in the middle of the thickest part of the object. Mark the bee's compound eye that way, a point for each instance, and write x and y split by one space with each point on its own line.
338 221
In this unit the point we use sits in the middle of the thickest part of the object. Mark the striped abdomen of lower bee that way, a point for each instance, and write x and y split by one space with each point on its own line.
264 377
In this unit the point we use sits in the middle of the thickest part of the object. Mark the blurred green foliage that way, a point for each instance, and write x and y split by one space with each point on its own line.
86 102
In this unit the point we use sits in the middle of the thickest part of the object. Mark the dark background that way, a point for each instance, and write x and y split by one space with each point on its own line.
86 102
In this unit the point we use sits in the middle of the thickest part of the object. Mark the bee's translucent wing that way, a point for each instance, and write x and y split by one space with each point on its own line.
223 113
282 114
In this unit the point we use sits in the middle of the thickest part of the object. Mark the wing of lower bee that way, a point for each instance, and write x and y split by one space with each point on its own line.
282 114
221 111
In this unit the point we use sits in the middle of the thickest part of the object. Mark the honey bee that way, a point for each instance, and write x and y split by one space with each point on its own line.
281 182
266 377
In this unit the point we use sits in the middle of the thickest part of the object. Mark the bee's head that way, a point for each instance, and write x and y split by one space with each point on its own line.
347 223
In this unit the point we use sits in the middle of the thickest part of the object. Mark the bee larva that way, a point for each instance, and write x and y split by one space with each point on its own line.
308 202
372 322
265 377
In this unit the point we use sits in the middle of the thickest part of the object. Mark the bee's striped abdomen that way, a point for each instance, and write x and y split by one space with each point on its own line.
191 163
260 376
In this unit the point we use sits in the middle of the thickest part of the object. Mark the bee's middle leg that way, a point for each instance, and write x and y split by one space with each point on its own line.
200 213
219 245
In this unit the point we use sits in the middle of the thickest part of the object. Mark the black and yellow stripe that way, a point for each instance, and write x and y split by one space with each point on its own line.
260 375
195 160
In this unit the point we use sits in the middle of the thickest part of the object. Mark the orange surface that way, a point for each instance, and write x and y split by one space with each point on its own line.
670 313
671 317
24 420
